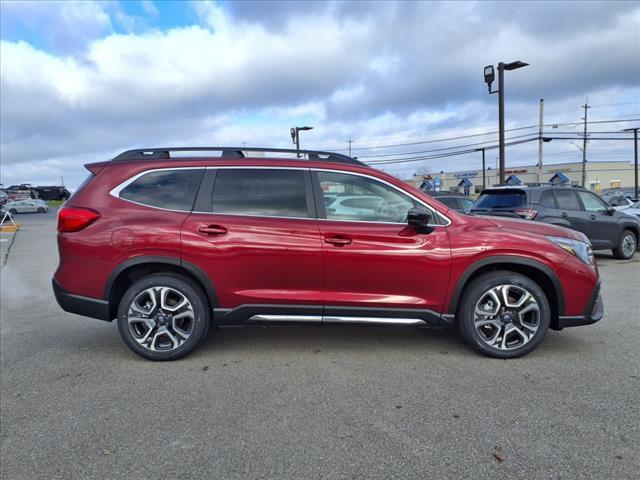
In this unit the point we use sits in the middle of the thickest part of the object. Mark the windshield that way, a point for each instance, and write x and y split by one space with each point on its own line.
501 199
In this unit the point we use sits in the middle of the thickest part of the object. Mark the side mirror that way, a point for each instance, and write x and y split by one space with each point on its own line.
419 218
611 210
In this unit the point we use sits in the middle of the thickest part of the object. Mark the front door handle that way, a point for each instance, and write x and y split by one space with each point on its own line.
565 214
213 230
338 241
593 216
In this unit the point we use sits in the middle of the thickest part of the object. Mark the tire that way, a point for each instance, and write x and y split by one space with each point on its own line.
509 333
13 211
40 210
627 245
148 337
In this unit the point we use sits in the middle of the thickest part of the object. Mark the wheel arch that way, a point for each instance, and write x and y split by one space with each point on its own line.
125 274
536 271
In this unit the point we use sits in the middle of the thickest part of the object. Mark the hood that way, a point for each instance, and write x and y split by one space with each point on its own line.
539 228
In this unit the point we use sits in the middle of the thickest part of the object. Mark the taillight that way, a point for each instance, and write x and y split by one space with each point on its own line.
73 219
526 213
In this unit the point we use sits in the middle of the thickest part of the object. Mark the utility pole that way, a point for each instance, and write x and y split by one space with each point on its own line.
350 142
540 141
584 143
484 171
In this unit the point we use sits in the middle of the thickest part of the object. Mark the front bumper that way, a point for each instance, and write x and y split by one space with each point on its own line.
593 313
89 307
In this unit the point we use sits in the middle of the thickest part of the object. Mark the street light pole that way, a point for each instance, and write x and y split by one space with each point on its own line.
501 119
635 158
489 77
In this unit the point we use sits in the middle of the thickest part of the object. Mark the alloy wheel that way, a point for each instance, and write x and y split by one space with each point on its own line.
160 318
628 245
506 317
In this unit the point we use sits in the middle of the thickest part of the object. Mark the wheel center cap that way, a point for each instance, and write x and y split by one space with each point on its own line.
161 319
507 317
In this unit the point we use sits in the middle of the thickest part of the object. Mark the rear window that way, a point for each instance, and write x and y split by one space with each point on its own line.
502 199
169 189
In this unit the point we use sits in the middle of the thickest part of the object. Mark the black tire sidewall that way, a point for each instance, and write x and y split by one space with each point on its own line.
471 296
186 287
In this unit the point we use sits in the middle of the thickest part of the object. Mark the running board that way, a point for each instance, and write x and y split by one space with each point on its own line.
334 319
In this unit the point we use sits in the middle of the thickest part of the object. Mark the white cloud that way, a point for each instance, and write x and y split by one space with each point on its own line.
367 72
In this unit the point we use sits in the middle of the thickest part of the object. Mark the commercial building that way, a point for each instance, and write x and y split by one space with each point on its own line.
600 176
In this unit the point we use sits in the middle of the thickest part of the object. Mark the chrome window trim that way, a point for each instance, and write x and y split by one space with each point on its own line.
115 192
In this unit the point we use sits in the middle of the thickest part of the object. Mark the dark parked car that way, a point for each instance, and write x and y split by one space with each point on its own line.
52 193
170 246
455 200
571 207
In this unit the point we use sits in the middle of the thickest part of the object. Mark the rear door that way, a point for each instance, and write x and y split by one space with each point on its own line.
570 209
253 230
603 228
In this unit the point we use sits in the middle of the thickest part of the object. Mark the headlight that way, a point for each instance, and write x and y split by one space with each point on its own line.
575 247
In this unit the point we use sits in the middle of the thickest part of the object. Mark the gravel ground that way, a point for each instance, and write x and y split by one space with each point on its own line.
309 402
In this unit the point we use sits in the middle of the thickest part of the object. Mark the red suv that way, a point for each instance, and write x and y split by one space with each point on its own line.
170 241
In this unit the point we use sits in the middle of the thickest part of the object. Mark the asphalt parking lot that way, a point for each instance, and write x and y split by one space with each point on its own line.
309 402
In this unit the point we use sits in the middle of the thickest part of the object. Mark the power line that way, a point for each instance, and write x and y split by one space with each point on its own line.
473 150
459 137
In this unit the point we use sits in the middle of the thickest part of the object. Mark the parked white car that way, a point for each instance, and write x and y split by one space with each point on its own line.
350 205
26 206
634 209
619 202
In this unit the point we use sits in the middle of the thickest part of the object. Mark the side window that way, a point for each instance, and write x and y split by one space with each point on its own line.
170 189
392 206
592 203
275 193
567 200
547 200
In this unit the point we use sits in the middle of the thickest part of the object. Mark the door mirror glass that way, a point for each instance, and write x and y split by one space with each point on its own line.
419 218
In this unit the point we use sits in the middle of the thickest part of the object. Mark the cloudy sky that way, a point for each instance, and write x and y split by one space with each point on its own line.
82 81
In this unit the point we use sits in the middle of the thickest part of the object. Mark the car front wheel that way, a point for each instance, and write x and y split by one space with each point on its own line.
163 317
503 314
627 245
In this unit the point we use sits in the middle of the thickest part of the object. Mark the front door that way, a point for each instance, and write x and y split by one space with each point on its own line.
374 262
255 233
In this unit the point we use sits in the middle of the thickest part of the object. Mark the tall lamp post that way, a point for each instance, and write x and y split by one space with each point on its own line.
635 157
295 136
489 77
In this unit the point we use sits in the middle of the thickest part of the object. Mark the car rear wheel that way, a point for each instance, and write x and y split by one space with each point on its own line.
163 317
13 211
627 246
504 314
40 210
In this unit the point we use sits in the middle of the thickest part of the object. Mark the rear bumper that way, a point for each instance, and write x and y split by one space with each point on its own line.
593 313
88 307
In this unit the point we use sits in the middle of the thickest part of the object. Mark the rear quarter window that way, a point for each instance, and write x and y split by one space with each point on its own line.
168 189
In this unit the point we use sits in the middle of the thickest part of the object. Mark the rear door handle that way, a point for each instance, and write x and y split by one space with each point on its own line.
593 216
213 230
338 241
565 214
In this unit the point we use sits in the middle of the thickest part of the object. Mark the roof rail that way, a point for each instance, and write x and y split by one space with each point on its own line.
234 152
